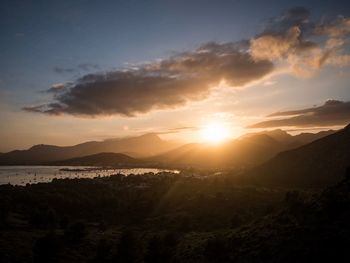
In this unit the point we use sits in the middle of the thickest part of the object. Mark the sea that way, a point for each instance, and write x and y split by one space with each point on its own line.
22 175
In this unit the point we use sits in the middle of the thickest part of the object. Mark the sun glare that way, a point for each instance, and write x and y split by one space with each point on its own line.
215 133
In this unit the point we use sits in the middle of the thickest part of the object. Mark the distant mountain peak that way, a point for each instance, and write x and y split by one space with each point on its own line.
141 146
316 164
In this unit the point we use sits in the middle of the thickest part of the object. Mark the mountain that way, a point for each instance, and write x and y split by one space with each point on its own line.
316 164
140 146
100 159
294 141
236 153
310 137
247 151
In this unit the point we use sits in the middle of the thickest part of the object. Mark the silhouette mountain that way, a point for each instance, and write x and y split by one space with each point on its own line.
100 159
246 151
316 164
140 146
296 140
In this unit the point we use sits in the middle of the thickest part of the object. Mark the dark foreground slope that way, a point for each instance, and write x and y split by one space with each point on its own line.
171 218
320 163
122 218
313 229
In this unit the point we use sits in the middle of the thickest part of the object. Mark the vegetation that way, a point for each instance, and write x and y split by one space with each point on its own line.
171 218
194 216
145 213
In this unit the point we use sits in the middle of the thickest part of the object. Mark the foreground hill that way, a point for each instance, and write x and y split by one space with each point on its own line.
304 229
319 163
247 151
100 159
145 145
172 218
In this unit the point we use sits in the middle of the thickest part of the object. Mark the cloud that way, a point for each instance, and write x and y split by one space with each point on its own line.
167 84
332 112
338 28
178 130
294 17
290 41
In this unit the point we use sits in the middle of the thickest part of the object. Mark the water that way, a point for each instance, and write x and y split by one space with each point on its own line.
21 175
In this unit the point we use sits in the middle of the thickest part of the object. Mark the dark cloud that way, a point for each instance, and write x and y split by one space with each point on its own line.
36 108
297 16
287 41
162 85
332 112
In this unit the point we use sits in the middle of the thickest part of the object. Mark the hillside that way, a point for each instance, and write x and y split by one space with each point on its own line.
246 151
172 218
100 159
145 145
296 140
319 163
304 229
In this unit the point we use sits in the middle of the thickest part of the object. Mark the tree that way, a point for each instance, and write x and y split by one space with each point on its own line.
103 251
45 249
127 249
75 232
154 250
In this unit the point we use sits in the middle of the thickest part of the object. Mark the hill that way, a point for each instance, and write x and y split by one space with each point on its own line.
246 151
296 140
316 164
304 229
145 145
100 159
243 152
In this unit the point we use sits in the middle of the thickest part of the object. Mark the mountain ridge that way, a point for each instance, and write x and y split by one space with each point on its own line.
313 164
144 145
100 159
246 151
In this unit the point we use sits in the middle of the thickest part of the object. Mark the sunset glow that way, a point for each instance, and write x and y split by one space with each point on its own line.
215 133
175 131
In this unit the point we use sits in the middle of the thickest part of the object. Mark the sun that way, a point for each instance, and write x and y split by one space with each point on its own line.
215 133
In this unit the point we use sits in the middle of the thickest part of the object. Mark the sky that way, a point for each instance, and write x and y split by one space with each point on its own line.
74 71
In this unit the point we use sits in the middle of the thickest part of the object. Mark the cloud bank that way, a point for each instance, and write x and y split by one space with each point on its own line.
291 42
166 84
332 112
